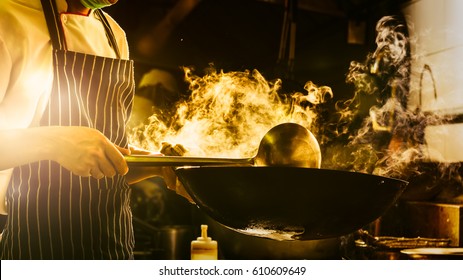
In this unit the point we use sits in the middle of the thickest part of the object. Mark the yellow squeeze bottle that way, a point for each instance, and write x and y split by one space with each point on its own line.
204 248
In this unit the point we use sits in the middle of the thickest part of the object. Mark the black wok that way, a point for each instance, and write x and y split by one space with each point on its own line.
290 203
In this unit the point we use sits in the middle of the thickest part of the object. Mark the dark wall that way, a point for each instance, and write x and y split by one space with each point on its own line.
245 34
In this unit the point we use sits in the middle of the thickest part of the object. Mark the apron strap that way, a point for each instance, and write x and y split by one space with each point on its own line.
109 32
55 27
54 24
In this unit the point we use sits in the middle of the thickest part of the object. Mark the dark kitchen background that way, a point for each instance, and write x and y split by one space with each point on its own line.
236 35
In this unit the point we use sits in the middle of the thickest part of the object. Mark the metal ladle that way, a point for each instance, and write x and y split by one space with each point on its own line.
287 144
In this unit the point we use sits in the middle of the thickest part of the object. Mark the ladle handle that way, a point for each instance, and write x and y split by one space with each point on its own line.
146 160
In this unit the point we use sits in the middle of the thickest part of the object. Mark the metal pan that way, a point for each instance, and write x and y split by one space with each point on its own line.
433 253
290 203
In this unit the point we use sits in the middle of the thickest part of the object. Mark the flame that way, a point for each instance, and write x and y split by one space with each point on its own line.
228 113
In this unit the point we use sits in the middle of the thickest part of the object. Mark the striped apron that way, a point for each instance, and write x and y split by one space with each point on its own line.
54 214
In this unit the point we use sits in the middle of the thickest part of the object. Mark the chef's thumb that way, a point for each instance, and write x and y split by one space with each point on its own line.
124 151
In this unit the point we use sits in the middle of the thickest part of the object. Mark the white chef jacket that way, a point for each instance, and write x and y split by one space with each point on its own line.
26 69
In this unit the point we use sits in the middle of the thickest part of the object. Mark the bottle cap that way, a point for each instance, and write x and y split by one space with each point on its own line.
204 236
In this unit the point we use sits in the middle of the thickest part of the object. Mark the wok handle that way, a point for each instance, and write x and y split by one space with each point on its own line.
147 160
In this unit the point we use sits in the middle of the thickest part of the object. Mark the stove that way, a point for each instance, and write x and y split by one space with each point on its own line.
413 225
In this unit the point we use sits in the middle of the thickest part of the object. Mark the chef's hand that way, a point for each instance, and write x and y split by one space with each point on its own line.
87 152
170 178
139 173
134 150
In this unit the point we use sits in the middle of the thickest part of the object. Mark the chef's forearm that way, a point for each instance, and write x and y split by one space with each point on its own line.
21 146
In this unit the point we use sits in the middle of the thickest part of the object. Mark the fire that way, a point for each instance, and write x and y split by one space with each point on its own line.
227 114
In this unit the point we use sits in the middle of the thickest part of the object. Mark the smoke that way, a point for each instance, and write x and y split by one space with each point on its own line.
389 141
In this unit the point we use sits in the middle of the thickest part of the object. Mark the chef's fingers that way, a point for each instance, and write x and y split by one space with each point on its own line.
97 173
166 148
134 150
176 150
124 151
107 168
116 159
179 149
170 177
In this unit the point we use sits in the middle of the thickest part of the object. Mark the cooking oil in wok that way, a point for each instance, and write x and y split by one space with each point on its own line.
279 235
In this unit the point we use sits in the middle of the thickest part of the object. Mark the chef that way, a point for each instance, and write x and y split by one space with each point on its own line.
66 89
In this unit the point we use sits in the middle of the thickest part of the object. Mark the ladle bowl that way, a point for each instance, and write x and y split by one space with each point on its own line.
289 144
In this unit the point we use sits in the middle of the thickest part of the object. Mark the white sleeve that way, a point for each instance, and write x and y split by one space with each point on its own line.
5 70
5 176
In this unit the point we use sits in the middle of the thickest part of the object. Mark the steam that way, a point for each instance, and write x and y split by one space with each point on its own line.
390 141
